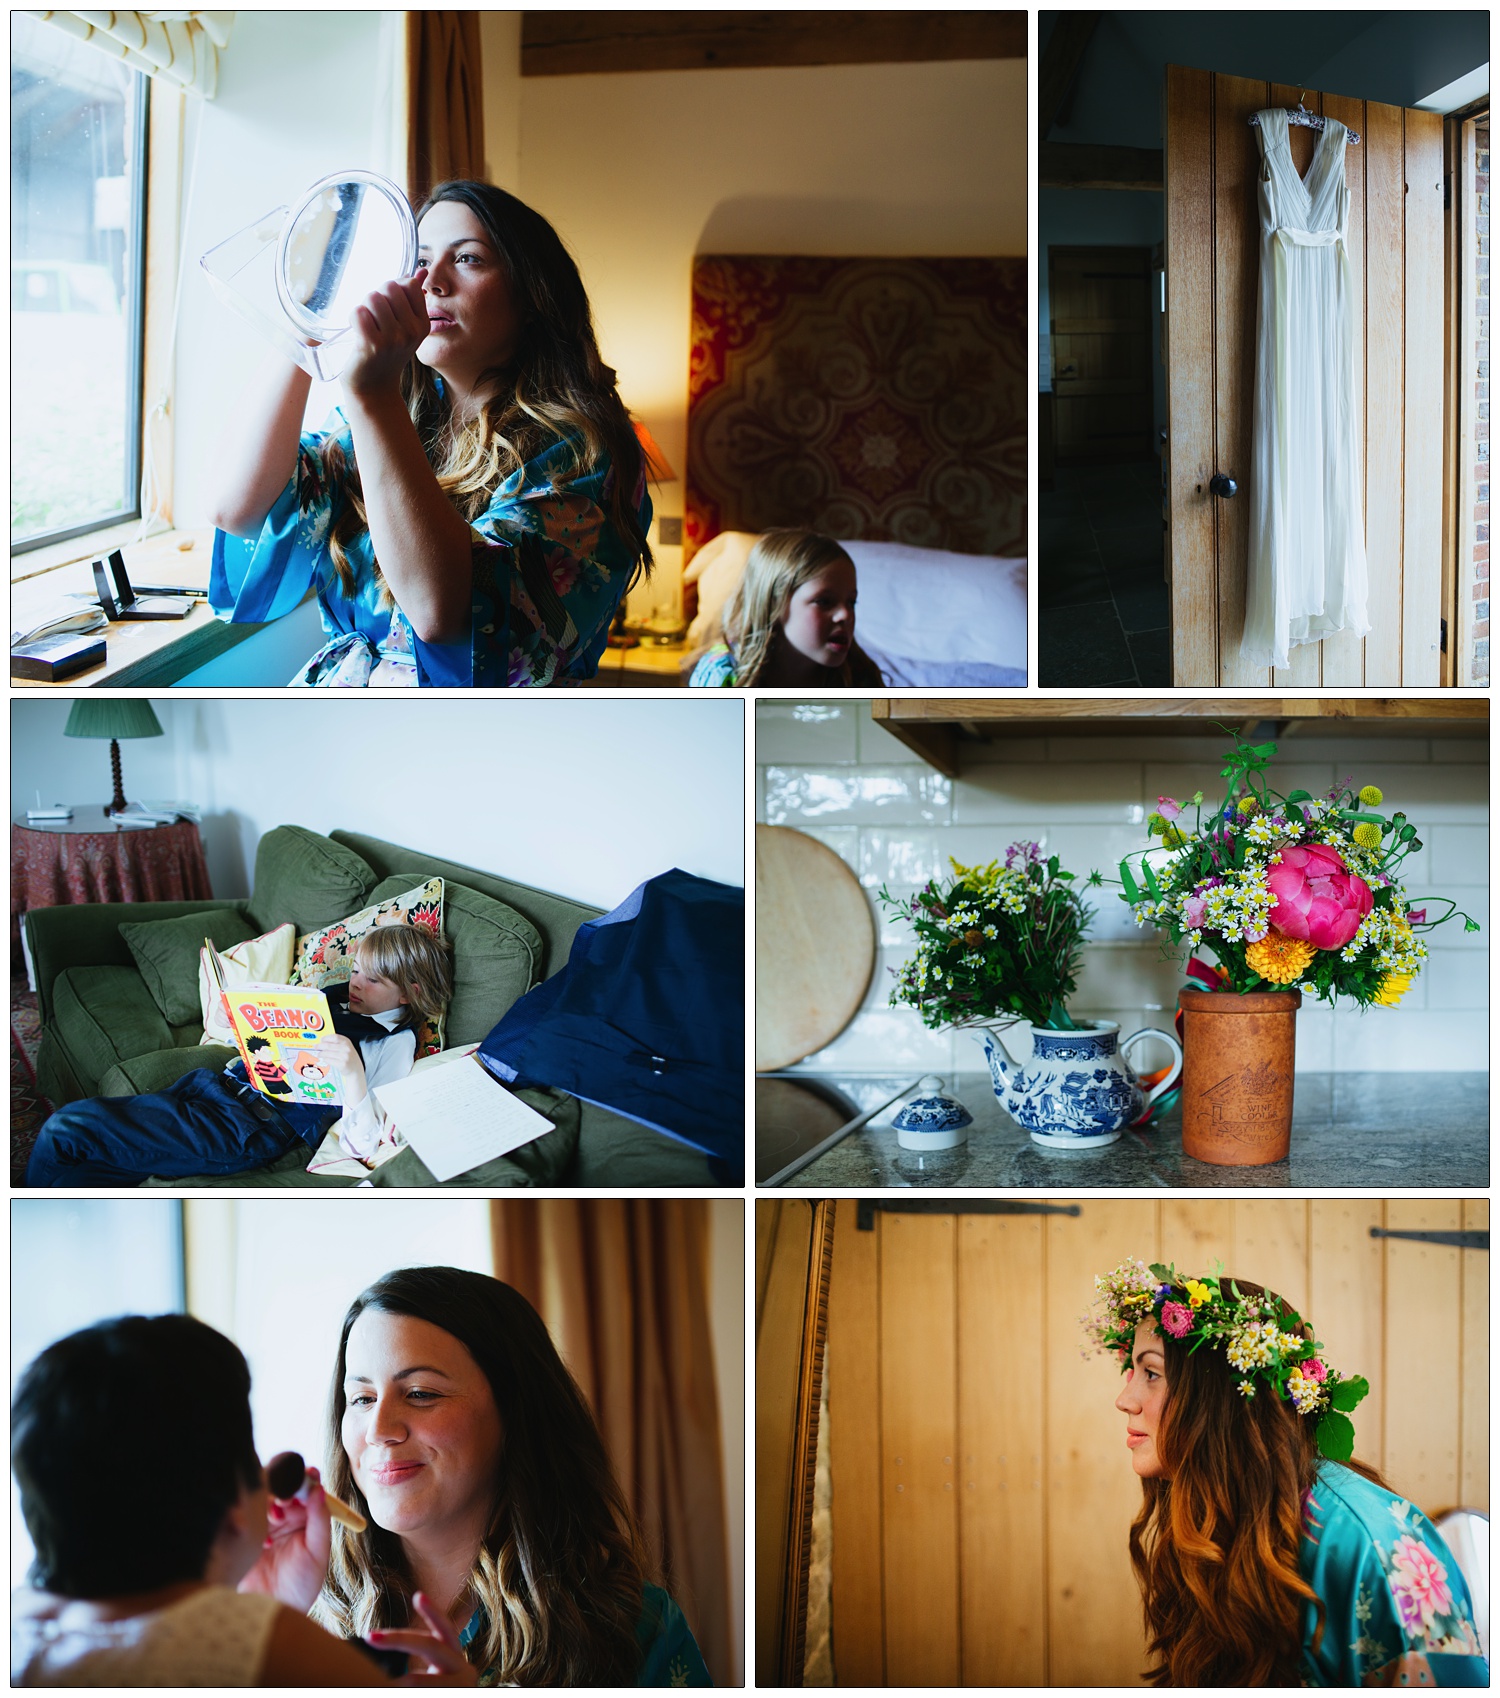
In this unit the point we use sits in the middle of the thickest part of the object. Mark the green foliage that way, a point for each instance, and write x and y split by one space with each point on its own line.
994 942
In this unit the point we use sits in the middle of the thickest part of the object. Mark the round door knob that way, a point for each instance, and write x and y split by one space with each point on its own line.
1222 485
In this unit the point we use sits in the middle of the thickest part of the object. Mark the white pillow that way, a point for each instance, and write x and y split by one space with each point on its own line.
263 960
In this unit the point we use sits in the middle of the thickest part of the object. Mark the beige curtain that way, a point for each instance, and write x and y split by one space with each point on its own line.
445 100
180 47
623 1288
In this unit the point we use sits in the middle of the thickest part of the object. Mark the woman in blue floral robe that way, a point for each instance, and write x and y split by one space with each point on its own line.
476 511
1397 1610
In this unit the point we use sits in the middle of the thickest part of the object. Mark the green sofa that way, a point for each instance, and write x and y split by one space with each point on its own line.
117 1022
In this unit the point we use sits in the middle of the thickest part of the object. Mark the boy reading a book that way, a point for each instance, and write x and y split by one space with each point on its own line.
218 1123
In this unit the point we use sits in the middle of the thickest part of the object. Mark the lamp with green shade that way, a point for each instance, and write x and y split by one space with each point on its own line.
113 717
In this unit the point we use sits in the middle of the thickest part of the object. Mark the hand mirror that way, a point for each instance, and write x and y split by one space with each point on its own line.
298 274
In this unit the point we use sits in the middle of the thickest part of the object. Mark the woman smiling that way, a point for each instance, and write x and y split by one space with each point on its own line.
459 1434
1266 1555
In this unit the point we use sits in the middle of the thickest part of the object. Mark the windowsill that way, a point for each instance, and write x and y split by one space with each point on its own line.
139 652
51 555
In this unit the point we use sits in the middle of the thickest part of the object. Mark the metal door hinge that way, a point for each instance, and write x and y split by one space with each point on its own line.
1454 1240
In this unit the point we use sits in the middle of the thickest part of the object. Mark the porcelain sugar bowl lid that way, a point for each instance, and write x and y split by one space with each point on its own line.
932 1121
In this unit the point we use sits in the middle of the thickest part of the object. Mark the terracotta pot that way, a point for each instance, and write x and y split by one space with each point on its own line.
1238 1055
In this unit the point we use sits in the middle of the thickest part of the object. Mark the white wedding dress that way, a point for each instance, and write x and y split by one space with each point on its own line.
1307 572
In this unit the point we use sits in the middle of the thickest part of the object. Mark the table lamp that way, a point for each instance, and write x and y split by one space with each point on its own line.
113 717
658 471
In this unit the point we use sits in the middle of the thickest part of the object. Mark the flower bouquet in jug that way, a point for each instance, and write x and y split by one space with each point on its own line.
999 945
1290 895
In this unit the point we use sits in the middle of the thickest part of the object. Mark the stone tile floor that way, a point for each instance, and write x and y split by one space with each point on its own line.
1102 613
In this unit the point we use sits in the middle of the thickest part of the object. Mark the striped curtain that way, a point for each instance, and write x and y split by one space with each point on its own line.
181 47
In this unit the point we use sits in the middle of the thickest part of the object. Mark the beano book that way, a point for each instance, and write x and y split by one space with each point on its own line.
280 1031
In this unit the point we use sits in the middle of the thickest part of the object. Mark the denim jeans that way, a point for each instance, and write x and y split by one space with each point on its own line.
204 1122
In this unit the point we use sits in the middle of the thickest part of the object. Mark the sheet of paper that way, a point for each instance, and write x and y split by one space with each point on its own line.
457 1117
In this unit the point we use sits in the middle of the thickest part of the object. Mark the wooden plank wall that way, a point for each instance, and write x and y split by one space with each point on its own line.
1396 252
982 1493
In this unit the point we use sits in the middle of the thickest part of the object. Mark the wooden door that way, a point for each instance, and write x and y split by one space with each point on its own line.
1212 264
1101 353
981 1491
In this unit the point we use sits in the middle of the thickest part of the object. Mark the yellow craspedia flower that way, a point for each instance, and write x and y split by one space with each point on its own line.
1372 796
1392 988
1247 805
1155 824
1172 838
1198 1293
1283 960
1367 836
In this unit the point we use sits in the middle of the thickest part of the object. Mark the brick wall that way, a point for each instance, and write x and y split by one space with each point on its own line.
1481 591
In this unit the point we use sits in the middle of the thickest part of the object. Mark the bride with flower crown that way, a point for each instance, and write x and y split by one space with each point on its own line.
1266 1555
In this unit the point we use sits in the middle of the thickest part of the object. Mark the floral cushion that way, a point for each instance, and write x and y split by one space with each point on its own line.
324 957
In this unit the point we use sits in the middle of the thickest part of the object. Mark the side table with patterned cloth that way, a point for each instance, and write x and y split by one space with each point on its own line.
90 859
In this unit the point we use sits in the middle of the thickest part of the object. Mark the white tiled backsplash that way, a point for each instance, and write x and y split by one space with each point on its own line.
829 770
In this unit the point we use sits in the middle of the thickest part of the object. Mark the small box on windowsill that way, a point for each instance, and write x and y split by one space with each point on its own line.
50 659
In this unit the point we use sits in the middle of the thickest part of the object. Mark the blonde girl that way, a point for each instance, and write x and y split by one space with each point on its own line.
790 620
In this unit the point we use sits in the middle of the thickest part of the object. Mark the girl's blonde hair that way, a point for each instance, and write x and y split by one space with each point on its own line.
417 959
780 563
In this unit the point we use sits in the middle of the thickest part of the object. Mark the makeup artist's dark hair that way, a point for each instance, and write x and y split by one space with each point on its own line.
556 387
559 1573
129 1442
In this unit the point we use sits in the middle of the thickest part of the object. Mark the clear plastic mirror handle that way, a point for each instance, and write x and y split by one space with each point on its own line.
292 272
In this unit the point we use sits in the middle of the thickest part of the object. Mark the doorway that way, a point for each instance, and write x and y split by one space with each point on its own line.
1104 610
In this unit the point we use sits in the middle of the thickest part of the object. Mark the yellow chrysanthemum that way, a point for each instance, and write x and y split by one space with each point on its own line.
1247 805
1283 960
1372 796
1392 988
1367 836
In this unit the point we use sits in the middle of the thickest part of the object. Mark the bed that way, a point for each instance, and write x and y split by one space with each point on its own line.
883 402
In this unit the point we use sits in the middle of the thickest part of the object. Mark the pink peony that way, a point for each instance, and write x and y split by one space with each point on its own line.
1167 808
1317 897
1419 1582
1313 1369
1176 1318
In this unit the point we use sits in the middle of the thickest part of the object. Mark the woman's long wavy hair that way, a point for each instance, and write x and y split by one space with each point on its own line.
555 388
1215 1546
779 564
560 1571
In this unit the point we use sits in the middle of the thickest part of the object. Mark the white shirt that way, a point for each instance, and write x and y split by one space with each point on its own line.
385 1060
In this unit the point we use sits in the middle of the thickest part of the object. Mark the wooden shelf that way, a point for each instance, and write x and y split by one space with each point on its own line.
943 730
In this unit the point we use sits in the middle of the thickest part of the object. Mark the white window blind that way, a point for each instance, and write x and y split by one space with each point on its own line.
181 47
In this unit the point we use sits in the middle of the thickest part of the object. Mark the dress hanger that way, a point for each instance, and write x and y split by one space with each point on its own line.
1309 120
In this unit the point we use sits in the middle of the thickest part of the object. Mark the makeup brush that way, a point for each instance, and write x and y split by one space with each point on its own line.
285 1475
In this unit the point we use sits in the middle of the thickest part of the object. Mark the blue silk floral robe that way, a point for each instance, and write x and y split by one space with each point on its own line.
549 571
1397 1608
669 1653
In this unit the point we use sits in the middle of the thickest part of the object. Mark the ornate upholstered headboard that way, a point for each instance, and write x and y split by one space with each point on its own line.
882 399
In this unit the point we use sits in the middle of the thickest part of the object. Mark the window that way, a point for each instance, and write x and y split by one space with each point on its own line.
78 176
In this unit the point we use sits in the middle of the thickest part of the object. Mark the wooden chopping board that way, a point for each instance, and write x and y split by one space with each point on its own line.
814 946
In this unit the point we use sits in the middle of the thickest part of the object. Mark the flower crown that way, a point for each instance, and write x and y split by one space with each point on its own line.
1261 1337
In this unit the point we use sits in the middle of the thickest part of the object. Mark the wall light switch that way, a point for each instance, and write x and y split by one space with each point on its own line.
669 531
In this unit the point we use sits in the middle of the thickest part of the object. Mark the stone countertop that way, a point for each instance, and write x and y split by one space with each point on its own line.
1368 1130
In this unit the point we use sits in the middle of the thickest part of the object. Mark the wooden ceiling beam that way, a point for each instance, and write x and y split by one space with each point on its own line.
566 43
1073 165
